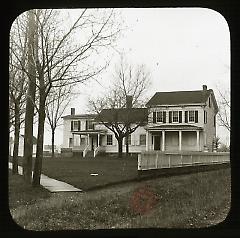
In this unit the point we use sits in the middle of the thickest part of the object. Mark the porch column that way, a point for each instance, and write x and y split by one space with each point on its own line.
98 138
198 145
180 140
147 138
87 139
163 140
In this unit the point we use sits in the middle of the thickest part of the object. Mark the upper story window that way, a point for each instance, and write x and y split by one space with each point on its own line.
175 116
191 116
159 116
75 125
89 125
109 139
214 121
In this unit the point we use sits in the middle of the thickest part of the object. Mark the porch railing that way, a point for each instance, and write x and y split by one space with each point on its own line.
158 160
87 148
96 150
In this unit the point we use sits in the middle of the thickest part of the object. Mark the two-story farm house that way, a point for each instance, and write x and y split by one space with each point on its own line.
174 121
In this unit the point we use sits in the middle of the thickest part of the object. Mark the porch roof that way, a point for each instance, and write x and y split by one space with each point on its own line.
90 132
174 127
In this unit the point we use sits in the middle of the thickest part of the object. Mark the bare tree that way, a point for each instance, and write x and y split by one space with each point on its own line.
17 87
224 109
30 70
67 55
117 109
57 102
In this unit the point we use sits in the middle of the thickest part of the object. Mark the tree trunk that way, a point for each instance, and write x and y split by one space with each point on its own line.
53 137
120 145
28 132
16 138
127 146
39 154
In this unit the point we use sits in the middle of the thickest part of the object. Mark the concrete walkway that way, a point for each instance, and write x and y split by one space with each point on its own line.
50 184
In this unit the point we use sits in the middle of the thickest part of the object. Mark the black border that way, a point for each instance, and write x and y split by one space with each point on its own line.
230 10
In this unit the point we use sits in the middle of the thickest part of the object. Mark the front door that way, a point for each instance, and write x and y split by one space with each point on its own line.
92 143
157 140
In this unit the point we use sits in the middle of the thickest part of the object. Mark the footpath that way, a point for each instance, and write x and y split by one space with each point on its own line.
51 184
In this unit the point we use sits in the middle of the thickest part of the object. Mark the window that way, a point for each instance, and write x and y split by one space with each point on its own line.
191 116
89 125
70 142
109 140
214 121
175 116
205 117
142 139
75 125
209 101
129 140
159 116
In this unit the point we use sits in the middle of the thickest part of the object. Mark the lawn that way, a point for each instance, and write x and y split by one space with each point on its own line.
77 171
22 194
184 201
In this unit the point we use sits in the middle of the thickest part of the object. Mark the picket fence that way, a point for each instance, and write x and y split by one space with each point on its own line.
157 160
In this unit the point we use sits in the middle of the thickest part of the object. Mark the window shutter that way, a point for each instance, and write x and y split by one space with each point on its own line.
154 117
79 125
186 116
170 117
164 117
180 116
196 116
71 125
205 117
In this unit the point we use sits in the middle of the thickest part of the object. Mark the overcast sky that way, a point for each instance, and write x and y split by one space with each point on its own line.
183 48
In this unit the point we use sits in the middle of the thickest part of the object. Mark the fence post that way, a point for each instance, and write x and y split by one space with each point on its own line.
139 161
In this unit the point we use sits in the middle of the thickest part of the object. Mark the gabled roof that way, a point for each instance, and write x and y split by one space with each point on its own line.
80 116
179 97
123 115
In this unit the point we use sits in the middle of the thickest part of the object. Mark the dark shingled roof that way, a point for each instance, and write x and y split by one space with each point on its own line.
121 115
179 97
80 116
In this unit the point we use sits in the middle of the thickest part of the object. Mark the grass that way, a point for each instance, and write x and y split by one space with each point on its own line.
194 200
22 194
77 171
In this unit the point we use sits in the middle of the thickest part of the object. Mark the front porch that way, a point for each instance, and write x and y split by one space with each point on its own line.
88 141
174 139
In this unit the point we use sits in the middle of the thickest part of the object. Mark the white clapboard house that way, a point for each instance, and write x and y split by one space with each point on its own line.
171 121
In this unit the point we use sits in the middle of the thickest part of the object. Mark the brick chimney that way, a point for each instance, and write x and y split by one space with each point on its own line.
204 87
72 111
129 99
